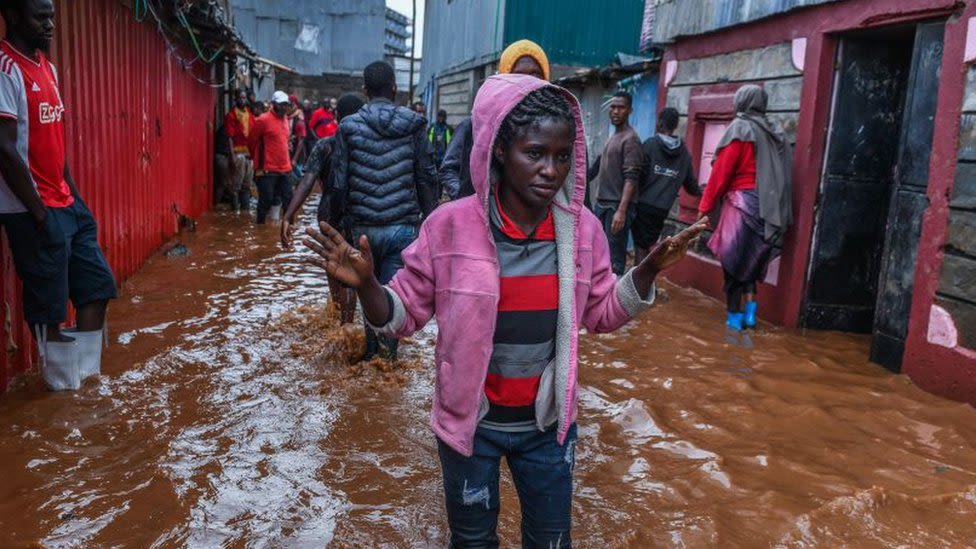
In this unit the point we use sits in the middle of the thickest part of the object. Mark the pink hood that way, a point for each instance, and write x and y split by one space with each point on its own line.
496 98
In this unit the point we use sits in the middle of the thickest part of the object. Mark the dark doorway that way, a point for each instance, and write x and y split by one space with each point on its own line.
908 200
872 193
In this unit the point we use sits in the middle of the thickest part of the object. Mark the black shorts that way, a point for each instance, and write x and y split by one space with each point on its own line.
647 225
62 259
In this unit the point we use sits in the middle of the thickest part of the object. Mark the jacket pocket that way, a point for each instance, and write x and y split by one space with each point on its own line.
441 384
545 399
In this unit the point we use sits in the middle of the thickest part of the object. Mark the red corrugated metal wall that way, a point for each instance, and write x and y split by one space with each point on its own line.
139 141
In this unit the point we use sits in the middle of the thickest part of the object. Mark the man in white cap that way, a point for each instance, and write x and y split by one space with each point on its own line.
269 149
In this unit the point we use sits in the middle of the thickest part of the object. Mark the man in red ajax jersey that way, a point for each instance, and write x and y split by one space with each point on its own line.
52 234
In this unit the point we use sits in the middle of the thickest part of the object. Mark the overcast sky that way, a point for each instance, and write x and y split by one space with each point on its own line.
406 7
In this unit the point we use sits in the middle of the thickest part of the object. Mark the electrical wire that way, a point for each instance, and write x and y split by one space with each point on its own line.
186 25
172 49
193 38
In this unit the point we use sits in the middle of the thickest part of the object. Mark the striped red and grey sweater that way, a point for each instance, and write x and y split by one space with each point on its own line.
525 329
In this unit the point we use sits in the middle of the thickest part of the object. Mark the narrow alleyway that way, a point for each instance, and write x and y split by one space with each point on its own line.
226 416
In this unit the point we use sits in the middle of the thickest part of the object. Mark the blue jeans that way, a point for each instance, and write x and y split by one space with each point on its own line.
386 243
618 242
543 475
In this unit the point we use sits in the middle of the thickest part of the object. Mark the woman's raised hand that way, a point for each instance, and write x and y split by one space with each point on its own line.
673 249
350 266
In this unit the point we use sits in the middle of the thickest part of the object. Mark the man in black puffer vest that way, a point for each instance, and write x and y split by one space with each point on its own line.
385 180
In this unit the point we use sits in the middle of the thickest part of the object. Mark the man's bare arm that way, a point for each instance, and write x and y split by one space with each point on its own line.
15 172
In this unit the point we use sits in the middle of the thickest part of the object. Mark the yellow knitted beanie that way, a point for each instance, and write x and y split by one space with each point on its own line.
520 49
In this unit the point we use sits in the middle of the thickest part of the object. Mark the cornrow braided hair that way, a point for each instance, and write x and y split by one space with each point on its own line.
545 103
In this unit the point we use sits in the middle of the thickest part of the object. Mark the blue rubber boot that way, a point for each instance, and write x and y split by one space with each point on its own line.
735 321
750 316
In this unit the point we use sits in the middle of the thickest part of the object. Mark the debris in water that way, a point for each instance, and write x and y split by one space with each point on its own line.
177 250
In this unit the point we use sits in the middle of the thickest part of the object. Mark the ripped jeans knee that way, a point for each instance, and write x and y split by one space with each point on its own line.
542 470
476 495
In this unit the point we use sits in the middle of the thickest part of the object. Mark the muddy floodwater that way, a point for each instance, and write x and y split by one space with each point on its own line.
229 415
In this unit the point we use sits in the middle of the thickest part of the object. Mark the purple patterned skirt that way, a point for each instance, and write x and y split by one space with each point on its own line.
738 241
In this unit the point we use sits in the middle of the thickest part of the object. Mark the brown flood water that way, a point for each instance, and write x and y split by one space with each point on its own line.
227 416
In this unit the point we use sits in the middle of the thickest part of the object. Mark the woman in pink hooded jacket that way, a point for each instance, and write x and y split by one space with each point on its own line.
511 275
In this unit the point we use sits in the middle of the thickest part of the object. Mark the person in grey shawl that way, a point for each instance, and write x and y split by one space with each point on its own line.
751 175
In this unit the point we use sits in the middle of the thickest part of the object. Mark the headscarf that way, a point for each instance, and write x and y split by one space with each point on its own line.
520 49
774 160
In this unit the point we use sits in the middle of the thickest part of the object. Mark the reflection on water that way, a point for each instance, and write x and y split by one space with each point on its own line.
229 415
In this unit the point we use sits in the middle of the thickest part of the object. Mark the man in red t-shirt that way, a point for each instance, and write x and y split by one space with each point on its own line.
51 231
323 123
269 148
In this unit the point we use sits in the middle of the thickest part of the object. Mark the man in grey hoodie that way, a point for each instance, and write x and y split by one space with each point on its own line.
668 167
385 180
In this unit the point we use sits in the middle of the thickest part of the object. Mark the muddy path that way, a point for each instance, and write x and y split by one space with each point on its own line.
228 416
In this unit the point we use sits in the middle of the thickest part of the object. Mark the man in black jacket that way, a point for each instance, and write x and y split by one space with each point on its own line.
668 165
385 180
455 169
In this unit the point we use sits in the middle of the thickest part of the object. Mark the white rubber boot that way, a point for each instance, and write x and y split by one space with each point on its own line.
89 351
59 363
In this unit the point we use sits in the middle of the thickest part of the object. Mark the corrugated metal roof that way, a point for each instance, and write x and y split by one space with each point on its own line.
577 32
675 18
